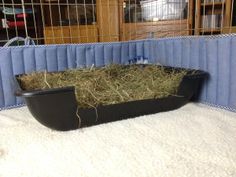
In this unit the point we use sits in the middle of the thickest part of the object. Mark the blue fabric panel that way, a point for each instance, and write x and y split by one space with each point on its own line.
203 66
169 53
161 52
186 53
140 49
166 50
153 58
116 53
223 71
40 58
232 82
202 54
7 76
124 53
154 52
71 56
90 54
132 50
19 67
18 61
29 60
62 58
2 102
212 68
108 54
99 55
147 48
216 55
194 54
177 53
51 58
80 57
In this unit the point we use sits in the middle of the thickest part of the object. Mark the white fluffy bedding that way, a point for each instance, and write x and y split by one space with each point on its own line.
195 141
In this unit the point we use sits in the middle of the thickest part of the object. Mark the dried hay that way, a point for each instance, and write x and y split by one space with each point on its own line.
109 85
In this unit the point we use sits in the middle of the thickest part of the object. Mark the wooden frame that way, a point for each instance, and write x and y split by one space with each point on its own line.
217 10
72 34
165 28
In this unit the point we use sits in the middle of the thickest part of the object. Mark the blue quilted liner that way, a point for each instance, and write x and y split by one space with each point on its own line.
214 54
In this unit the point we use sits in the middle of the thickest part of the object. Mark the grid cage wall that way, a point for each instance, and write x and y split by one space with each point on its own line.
88 21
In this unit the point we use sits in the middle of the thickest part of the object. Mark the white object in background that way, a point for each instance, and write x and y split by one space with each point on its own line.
205 21
27 41
213 21
4 23
139 60
162 9
145 61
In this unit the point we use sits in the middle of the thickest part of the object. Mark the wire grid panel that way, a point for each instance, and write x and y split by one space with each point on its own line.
88 21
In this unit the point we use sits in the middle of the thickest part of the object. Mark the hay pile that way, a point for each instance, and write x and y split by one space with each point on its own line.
109 85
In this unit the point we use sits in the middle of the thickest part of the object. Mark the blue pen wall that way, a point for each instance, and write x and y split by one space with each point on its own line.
216 55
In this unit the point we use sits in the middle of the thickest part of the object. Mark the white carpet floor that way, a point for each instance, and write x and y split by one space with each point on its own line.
193 141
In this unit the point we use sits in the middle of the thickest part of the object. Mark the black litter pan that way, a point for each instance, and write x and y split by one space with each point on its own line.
58 109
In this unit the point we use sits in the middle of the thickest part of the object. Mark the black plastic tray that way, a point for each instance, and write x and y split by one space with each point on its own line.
58 109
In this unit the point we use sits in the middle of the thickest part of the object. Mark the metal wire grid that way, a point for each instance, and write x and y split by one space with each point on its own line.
137 19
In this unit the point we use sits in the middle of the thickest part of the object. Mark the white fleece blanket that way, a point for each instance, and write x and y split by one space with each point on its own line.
193 141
